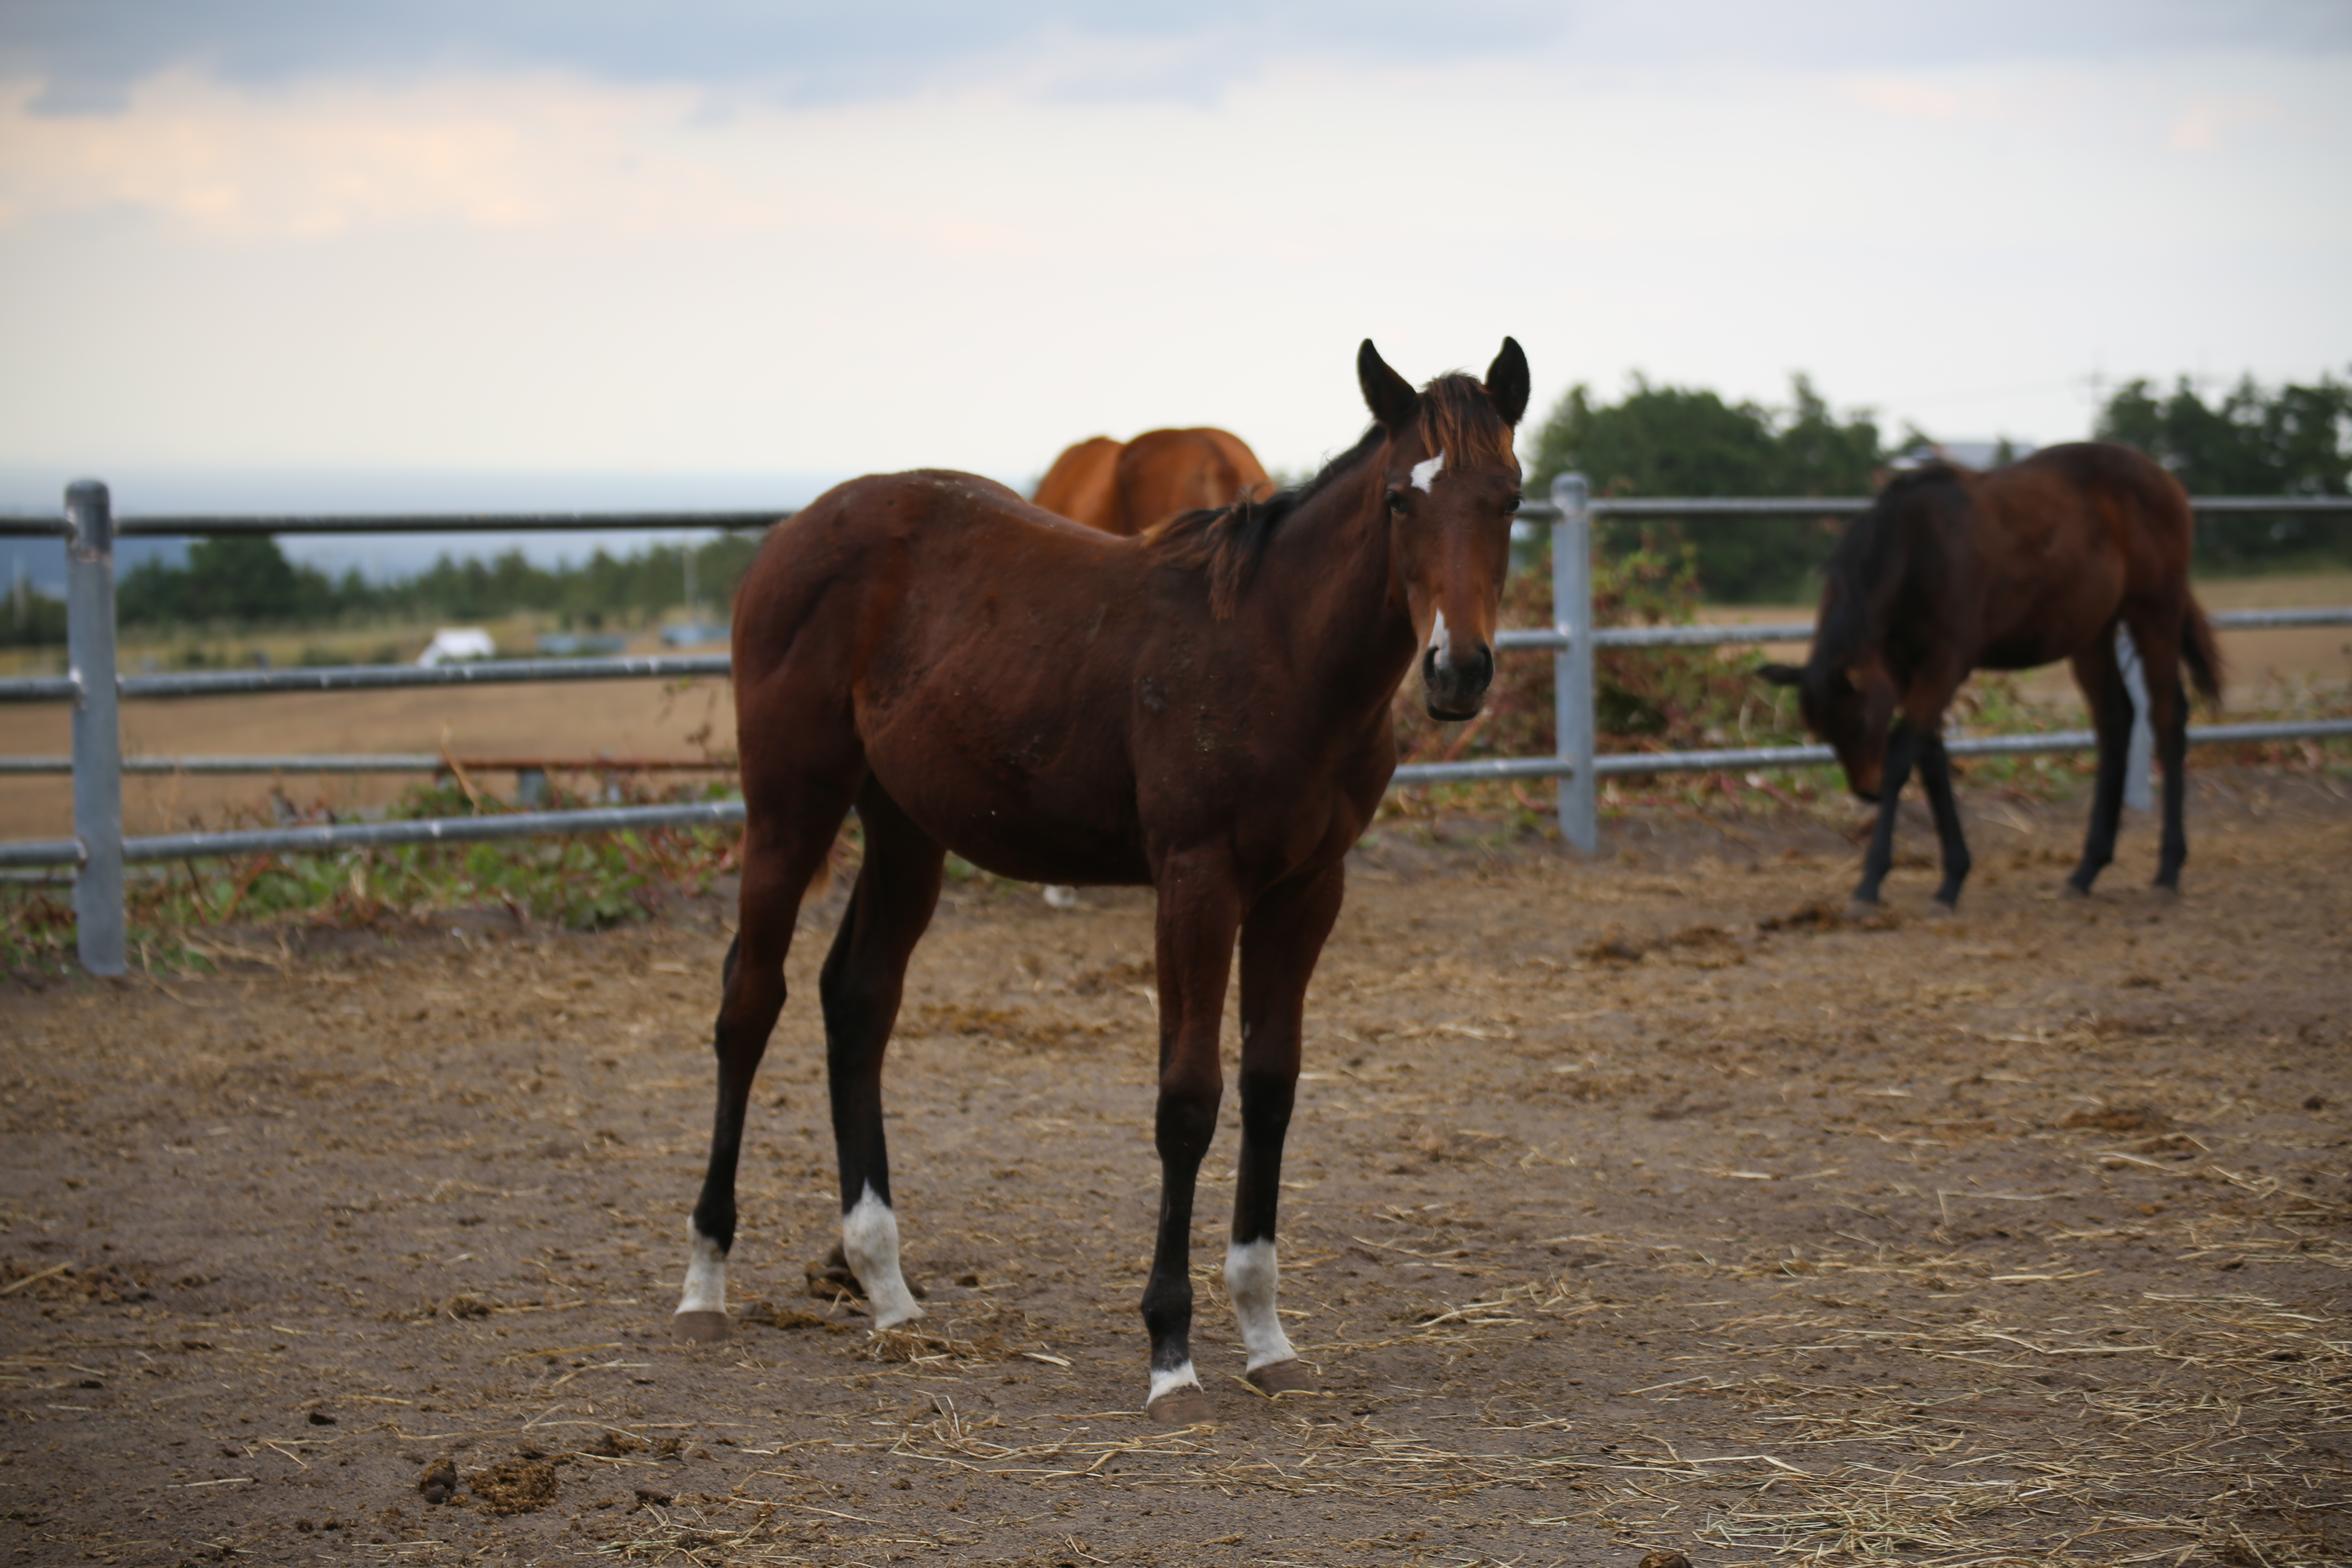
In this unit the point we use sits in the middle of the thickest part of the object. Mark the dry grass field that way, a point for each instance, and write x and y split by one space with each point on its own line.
649 719
1633 1205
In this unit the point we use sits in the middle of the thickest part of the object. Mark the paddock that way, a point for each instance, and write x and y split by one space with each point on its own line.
1635 1204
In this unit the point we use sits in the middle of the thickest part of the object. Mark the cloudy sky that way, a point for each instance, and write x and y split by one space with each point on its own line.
539 253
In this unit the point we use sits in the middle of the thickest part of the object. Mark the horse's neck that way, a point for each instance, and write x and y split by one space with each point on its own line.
1325 591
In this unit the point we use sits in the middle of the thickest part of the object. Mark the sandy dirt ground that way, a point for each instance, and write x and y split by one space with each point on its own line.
1633 1205
653 718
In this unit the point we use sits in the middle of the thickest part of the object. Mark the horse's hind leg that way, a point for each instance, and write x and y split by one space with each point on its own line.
864 977
2172 752
1936 773
2157 638
782 849
2102 681
1281 938
1902 746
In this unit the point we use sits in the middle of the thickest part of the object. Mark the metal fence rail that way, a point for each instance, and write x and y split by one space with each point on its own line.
99 850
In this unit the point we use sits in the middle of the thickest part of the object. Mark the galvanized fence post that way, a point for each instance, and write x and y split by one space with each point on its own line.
2140 754
97 727
1572 666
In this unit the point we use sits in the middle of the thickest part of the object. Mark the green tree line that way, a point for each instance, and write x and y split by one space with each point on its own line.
2287 440
1679 441
249 582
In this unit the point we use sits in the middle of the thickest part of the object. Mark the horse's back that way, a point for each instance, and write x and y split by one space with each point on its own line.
1163 474
1083 483
888 547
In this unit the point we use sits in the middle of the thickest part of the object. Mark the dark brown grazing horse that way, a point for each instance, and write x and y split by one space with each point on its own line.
1204 709
1953 571
1132 487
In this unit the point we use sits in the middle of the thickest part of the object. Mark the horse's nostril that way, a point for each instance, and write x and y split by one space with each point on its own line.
1485 666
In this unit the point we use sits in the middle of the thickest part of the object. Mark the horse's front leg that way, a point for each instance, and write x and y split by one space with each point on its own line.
1936 773
1901 747
1281 939
1200 909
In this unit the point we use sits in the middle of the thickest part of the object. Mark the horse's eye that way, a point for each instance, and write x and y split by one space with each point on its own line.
1512 504
1396 503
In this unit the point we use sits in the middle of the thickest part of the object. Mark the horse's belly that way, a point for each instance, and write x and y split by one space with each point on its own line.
1067 819
2021 653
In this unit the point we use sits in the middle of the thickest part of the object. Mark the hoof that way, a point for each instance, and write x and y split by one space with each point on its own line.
703 1328
1281 1377
1184 1406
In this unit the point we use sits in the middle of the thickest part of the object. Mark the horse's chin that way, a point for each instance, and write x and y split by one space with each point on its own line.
1444 717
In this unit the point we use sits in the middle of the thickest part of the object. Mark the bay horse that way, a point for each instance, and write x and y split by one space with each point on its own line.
1952 571
1131 486
1204 709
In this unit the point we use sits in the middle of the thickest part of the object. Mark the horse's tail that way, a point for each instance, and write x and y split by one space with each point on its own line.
2199 652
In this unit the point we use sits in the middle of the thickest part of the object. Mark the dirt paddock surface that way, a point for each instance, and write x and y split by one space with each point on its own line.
1635 1206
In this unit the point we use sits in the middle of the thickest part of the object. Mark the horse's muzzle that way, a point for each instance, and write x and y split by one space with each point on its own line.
1455 687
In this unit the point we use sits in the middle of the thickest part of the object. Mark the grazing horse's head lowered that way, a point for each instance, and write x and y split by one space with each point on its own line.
1452 483
1846 699
1951 570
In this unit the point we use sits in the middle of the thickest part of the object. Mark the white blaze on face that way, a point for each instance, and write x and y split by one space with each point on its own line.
1441 641
1178 1377
706 1275
1250 1274
869 1240
1425 472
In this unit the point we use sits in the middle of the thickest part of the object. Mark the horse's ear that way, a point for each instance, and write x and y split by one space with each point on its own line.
1781 674
1507 382
1389 396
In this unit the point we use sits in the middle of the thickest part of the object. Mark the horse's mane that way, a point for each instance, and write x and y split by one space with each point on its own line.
1458 418
1863 557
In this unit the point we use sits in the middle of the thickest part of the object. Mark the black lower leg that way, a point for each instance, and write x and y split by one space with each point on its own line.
1266 1102
2172 747
1936 773
1893 775
1185 1125
2114 718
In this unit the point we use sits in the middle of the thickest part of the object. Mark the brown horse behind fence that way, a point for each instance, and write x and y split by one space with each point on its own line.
1131 486
1953 571
1204 708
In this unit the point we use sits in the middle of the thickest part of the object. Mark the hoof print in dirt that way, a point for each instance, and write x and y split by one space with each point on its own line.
514 1485
1663 1560
321 1418
1180 1407
648 1495
1282 1377
702 1328
439 1481
614 1446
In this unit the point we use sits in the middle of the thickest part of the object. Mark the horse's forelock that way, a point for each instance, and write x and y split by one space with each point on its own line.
1458 418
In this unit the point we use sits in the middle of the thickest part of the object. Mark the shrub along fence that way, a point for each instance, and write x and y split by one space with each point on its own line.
99 850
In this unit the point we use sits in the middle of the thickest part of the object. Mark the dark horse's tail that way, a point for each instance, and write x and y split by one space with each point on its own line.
2200 653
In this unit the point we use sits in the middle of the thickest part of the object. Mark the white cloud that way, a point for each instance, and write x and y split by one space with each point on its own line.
541 269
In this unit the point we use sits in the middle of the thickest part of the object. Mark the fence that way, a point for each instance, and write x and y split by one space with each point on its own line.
99 851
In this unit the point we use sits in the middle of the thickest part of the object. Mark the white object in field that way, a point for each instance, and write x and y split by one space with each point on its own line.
455 645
